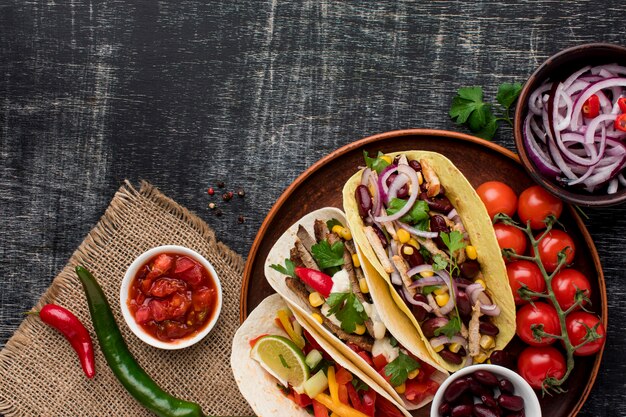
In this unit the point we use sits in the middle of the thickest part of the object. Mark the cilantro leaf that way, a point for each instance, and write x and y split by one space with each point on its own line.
398 370
453 241
424 252
358 384
418 214
348 310
439 262
508 93
333 222
468 107
392 341
326 255
450 328
489 130
429 289
377 164
288 269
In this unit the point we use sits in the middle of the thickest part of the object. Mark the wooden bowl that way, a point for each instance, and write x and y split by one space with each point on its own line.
559 67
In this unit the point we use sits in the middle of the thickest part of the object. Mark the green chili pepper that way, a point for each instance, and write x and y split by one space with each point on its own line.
136 381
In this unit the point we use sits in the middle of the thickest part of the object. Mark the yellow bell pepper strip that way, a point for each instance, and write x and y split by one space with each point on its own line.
341 409
333 387
284 318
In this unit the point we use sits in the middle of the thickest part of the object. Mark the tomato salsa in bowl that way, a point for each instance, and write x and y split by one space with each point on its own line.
171 297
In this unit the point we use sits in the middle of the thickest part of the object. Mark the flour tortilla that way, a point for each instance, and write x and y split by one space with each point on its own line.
303 311
482 236
257 386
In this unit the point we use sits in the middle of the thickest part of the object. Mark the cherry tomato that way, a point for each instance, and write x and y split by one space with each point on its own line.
535 204
550 247
622 104
620 122
566 283
510 237
538 314
535 364
591 107
527 273
577 323
498 198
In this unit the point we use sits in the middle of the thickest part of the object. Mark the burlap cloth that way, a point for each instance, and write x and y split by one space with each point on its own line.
39 372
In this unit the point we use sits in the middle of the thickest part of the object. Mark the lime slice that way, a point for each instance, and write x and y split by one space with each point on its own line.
282 359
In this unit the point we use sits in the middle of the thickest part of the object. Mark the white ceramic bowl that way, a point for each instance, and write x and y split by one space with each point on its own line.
531 402
124 290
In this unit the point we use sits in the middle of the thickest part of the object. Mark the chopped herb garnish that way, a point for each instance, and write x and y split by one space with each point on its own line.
418 215
377 164
358 384
430 288
398 370
439 262
326 255
392 341
288 269
450 328
348 310
333 222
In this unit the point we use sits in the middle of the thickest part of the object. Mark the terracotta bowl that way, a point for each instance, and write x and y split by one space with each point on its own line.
559 67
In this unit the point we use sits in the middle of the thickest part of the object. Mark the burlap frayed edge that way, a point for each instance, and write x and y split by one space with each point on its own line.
91 246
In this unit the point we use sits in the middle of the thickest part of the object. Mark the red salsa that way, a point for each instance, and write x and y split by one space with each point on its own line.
172 297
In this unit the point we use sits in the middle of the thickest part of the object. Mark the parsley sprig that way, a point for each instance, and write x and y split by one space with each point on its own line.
288 269
398 370
348 310
468 108
327 255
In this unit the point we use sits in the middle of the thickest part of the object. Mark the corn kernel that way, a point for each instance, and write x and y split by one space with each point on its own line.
454 347
413 242
403 236
481 282
317 318
426 274
401 389
337 229
438 348
420 178
363 286
481 357
407 250
487 342
315 299
360 329
442 299
441 290
355 261
414 374
345 233
470 251
386 158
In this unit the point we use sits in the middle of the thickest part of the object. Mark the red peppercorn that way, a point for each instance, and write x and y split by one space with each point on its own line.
211 191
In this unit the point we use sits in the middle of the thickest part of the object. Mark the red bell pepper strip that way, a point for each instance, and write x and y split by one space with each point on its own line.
379 362
384 408
74 331
317 280
354 398
369 402
620 122
319 410
622 104
591 107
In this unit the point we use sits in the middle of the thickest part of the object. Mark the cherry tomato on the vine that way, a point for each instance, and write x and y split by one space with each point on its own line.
527 273
566 283
551 245
535 204
535 364
577 324
538 314
510 237
498 198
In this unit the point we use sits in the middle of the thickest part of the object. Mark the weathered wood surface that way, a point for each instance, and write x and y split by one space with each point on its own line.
185 94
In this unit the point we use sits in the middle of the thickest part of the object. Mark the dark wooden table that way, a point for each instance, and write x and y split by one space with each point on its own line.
186 94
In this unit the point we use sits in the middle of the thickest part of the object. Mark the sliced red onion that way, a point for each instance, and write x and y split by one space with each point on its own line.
382 180
612 186
365 176
448 307
472 292
435 342
490 310
377 201
621 179
413 193
539 158
452 213
423 282
398 182
418 233
419 269
575 76
459 340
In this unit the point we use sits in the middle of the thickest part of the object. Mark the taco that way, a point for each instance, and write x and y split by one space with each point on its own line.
423 231
335 384
315 267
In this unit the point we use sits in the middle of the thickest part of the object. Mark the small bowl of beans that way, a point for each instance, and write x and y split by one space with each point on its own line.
485 391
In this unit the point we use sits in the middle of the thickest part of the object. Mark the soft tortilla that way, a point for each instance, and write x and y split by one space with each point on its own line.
280 252
256 385
477 224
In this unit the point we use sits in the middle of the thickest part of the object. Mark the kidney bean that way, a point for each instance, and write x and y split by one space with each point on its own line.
463 410
506 386
477 388
380 235
467 399
403 192
430 325
469 268
451 357
455 390
486 378
511 402
481 410
502 358
464 281
439 225
417 167
439 203
412 256
464 305
488 328
462 351
419 312
364 200
489 401
445 409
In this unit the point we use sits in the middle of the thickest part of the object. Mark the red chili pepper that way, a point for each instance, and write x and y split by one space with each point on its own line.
622 104
317 280
74 331
620 122
591 107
